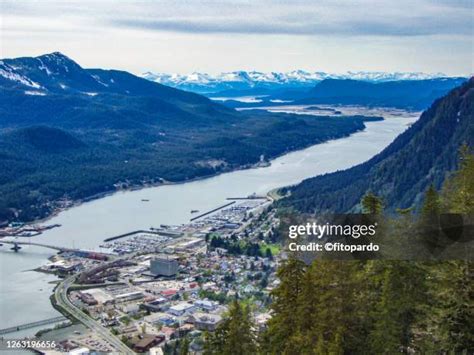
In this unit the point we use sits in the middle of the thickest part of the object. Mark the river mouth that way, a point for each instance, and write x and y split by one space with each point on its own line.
86 226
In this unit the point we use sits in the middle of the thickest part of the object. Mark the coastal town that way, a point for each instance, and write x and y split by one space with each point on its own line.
146 291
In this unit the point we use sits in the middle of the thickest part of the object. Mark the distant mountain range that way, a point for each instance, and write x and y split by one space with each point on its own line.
252 80
424 154
71 132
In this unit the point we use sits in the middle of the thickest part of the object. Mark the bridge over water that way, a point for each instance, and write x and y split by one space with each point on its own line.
54 247
79 252
32 325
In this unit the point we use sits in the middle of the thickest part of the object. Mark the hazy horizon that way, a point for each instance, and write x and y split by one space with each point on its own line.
203 36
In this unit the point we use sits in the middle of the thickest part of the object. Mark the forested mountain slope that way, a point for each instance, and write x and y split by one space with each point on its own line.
415 94
424 154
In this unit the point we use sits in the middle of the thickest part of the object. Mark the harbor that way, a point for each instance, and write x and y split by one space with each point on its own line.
87 225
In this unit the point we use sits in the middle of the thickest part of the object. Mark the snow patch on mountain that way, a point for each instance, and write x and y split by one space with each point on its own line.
97 78
44 67
9 73
35 93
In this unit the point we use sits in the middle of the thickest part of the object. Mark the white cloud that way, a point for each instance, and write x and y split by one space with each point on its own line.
330 35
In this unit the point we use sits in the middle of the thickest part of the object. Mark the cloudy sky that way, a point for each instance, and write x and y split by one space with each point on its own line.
215 36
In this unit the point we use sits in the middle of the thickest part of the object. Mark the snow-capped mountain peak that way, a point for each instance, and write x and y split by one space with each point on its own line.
207 83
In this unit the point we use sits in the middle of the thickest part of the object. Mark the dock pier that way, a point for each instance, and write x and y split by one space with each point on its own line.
212 211
163 233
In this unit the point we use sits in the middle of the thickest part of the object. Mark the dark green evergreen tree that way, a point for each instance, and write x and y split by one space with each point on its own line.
268 253
431 203
184 346
372 204
285 321
235 336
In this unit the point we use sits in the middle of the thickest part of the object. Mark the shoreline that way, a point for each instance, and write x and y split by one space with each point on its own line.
104 194
257 165
76 203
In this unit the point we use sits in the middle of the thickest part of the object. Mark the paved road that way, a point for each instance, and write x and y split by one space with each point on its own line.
60 294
